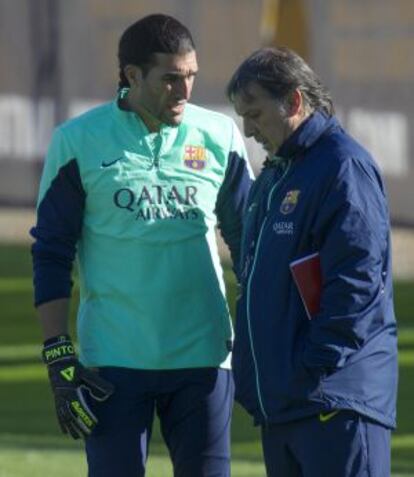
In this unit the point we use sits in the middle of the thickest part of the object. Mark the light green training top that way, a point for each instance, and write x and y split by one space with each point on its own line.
152 294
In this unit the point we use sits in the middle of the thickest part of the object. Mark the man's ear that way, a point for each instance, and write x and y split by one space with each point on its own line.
295 103
133 74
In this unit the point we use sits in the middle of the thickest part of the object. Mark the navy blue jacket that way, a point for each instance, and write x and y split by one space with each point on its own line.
324 194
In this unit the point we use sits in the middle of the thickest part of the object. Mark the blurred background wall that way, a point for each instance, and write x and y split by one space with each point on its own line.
57 58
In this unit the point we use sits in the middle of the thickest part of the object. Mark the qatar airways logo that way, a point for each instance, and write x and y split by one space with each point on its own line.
158 202
284 228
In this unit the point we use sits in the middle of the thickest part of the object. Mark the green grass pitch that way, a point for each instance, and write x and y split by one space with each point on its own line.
30 442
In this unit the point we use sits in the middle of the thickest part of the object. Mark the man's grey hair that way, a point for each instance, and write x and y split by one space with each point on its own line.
280 71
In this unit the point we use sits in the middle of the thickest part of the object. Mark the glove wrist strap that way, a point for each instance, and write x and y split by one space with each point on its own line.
57 349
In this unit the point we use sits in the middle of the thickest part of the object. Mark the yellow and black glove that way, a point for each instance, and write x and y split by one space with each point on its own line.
69 380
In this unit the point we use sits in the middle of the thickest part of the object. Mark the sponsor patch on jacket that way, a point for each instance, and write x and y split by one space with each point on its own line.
284 228
289 202
195 157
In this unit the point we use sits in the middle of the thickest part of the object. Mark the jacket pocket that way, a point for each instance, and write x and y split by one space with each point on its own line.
305 383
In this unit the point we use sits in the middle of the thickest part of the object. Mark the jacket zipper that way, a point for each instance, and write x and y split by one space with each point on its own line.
249 281
154 150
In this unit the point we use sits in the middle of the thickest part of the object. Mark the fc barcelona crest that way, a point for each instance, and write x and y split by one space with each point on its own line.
195 157
289 202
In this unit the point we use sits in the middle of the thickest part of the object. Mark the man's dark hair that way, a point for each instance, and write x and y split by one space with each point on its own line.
280 71
152 34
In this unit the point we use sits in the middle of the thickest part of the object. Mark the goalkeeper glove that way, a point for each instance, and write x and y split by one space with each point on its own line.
69 380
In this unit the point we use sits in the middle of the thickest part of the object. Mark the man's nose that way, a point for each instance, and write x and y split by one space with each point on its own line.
184 88
248 127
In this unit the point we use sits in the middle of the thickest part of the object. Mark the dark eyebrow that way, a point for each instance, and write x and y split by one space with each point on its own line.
178 74
250 113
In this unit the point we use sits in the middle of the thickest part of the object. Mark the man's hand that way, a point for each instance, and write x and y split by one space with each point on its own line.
69 380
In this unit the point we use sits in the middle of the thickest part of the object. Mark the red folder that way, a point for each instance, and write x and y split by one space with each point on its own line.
306 272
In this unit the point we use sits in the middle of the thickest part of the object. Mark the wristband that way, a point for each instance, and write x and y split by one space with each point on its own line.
58 348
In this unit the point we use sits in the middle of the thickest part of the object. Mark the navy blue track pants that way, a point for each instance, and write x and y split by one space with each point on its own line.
194 408
334 444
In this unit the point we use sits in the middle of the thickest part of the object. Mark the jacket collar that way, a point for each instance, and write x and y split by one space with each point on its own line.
131 118
307 134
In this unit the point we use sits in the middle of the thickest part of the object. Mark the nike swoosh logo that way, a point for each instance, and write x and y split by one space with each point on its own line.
327 417
107 164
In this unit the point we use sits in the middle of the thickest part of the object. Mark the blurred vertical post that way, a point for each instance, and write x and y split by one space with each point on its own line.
47 108
285 23
45 34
